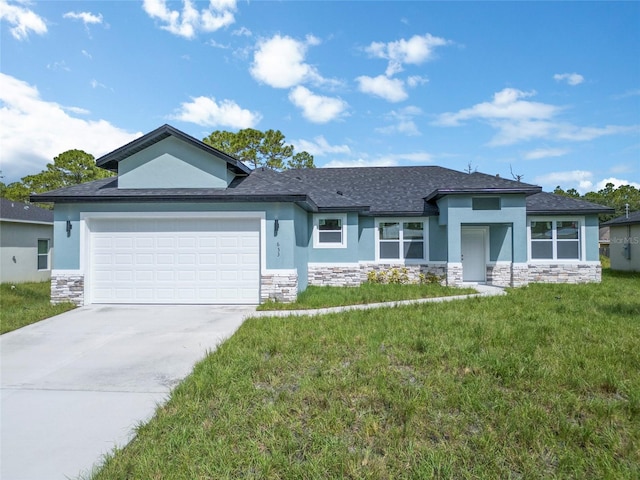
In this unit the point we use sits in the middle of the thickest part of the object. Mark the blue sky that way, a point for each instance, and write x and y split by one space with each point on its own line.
546 90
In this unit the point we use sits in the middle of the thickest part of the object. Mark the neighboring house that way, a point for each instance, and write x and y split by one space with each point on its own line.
624 246
185 223
604 241
26 242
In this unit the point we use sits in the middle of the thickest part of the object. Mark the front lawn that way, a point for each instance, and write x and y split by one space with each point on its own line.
541 383
323 297
22 304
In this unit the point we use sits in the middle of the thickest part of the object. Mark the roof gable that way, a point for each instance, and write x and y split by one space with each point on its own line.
111 160
172 163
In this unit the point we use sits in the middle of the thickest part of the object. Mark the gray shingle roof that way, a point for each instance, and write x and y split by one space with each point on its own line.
544 203
22 212
633 218
403 191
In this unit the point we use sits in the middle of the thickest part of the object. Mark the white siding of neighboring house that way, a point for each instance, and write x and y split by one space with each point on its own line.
19 251
623 237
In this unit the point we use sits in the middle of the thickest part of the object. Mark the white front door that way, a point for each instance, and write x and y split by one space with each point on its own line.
473 255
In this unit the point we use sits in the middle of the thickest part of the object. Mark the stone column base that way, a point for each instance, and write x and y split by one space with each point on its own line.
67 287
281 287
454 274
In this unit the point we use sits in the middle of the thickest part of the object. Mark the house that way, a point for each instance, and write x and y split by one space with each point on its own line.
624 242
26 242
185 223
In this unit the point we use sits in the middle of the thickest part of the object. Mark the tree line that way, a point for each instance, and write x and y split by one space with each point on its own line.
610 196
73 167
257 149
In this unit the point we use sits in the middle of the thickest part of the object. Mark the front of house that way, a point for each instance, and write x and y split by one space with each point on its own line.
185 223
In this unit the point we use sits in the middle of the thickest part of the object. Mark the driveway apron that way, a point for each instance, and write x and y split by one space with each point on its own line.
76 385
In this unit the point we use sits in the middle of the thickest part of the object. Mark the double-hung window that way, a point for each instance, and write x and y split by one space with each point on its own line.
555 239
329 231
400 240
43 254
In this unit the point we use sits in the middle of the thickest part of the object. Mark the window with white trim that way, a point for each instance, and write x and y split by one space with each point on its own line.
43 254
555 239
330 231
400 239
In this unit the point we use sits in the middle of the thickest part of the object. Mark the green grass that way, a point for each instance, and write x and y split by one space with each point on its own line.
541 383
323 297
22 304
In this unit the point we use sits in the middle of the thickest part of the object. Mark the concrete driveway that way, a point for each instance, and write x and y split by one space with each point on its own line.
76 385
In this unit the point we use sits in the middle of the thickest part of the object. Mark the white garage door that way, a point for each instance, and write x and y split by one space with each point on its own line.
188 260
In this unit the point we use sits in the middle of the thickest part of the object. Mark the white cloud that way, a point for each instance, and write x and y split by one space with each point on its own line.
519 120
616 183
581 134
95 84
390 160
571 78
404 123
87 54
280 62
190 21
361 163
56 66
415 80
627 94
242 32
22 20
86 17
581 180
319 147
35 130
418 49
317 108
390 89
545 153
205 111
507 104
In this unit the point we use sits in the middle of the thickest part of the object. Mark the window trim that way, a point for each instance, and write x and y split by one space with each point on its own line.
582 250
402 220
45 255
316 230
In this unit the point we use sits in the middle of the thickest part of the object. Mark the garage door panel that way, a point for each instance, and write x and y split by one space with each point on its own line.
163 242
174 260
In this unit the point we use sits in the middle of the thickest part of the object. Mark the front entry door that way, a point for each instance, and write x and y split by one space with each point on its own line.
473 255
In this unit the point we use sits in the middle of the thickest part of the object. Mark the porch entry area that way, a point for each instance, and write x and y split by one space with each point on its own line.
474 255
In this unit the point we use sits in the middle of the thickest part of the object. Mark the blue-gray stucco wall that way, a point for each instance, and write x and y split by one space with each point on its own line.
172 163
282 251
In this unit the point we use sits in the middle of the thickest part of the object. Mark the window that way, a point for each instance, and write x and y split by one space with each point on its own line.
485 203
330 231
555 240
400 240
43 254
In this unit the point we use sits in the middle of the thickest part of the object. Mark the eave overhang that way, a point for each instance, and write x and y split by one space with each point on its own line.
586 211
442 192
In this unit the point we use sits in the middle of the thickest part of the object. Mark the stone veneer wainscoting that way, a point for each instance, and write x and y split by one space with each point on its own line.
282 287
352 275
67 287
565 272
